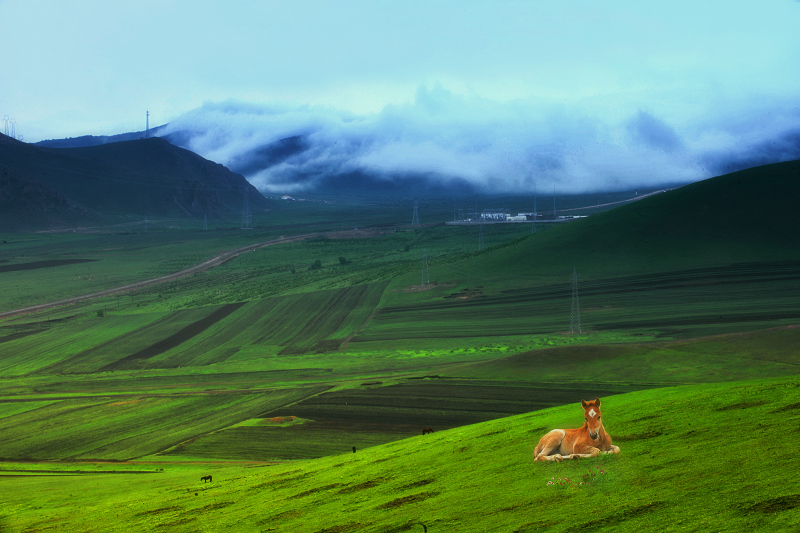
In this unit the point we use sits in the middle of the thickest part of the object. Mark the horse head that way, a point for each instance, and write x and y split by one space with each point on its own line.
591 413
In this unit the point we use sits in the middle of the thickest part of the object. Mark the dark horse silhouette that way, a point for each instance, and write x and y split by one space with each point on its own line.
426 431
205 478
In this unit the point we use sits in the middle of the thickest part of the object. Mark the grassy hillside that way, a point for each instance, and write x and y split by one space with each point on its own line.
692 459
381 353
741 217
267 370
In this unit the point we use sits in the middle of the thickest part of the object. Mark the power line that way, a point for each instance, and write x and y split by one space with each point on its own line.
247 218
575 314
426 275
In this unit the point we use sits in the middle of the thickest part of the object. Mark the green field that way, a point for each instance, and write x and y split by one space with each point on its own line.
296 353
694 458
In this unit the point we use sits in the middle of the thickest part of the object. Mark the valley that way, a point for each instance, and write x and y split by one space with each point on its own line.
272 364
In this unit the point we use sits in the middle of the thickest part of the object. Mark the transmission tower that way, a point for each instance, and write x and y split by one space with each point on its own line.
480 237
554 201
5 119
247 218
415 217
13 129
147 126
426 275
575 315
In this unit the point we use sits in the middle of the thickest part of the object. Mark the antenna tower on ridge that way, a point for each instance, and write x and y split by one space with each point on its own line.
5 119
147 127
575 314
13 129
247 218
415 217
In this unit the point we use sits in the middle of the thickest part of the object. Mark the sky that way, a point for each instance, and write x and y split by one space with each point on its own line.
503 95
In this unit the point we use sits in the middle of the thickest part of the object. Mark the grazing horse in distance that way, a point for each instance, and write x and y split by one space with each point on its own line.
205 478
426 431
586 441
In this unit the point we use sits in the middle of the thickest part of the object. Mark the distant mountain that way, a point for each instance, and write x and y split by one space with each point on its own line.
115 181
299 162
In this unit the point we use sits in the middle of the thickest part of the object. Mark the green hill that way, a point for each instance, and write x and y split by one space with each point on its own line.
750 215
721 251
710 458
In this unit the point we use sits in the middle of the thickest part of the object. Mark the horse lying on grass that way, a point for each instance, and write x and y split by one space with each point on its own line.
586 441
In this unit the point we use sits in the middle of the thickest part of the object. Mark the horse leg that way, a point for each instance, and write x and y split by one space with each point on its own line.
583 451
547 444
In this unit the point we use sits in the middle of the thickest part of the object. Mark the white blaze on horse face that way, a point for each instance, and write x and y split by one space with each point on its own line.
592 412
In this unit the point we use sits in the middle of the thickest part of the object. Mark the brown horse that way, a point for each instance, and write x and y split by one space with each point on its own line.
586 441
426 431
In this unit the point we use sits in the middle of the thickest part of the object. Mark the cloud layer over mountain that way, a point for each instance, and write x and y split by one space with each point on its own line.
446 140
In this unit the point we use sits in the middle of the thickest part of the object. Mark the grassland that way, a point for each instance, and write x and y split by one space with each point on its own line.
341 333
694 458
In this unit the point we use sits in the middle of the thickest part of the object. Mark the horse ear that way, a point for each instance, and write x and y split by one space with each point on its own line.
597 402
583 404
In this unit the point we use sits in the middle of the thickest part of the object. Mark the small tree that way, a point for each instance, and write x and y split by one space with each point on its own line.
317 265
342 261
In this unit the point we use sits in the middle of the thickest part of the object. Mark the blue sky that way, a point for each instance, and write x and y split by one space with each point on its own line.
580 94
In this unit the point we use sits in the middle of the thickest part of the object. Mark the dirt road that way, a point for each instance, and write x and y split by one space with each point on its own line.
205 265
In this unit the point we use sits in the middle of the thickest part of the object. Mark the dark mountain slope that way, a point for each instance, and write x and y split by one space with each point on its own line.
27 204
133 178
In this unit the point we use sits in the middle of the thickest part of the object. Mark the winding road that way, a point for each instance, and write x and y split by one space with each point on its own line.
205 265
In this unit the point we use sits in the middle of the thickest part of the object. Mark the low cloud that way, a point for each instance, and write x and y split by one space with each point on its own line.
442 141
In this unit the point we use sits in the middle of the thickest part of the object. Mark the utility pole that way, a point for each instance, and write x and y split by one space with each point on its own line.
426 275
575 314
554 201
247 218
415 216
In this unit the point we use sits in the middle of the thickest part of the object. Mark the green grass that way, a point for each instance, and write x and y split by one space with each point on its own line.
678 289
696 458
126 427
